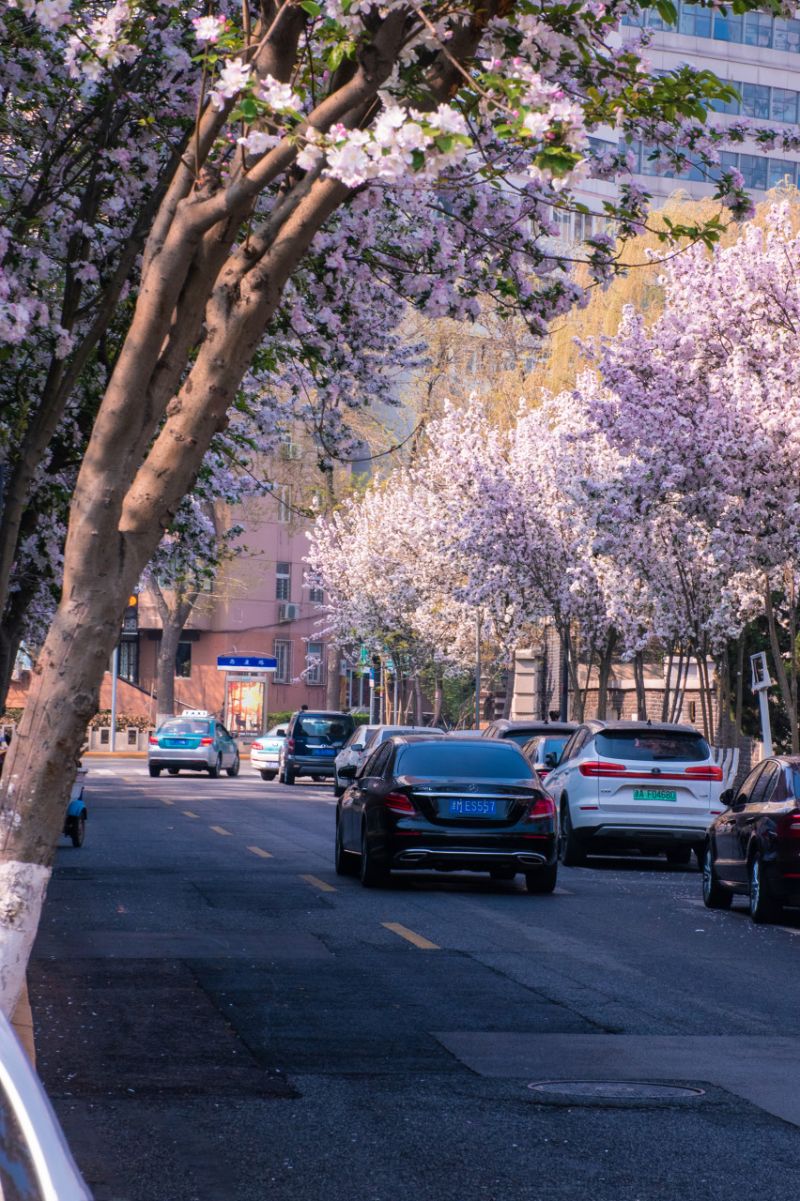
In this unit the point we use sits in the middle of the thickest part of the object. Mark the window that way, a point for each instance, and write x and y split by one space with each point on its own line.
315 656
183 660
283 495
129 660
695 20
765 784
376 763
755 100
477 760
757 29
728 26
786 35
283 581
648 746
728 106
784 105
754 171
744 793
282 648
316 594
779 172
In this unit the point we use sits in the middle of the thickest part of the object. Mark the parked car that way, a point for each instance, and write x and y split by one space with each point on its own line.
35 1161
194 741
265 752
543 751
426 802
351 752
647 786
522 731
313 739
753 846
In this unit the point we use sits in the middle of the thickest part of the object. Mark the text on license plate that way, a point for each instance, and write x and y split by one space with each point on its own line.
322 750
466 807
655 794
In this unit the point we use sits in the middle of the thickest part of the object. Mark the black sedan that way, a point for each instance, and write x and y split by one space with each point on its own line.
753 846
447 804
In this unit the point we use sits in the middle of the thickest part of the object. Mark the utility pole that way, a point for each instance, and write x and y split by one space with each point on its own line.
761 684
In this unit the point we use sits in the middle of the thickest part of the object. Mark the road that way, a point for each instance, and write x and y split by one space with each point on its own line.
220 1018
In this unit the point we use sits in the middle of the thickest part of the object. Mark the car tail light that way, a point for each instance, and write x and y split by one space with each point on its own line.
790 825
290 745
206 741
595 768
398 802
256 746
153 740
709 771
543 806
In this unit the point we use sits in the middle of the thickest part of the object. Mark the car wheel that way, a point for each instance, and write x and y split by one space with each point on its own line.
268 775
714 895
679 856
78 831
216 769
288 776
570 848
763 906
173 771
372 874
700 855
155 772
234 771
543 880
346 865
502 873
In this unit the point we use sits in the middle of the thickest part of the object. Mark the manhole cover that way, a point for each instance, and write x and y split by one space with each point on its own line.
615 1090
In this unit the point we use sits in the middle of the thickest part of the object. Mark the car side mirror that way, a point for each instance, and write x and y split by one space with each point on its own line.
347 771
280 733
726 797
550 759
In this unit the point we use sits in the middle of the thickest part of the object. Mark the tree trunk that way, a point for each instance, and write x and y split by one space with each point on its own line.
333 677
739 684
665 700
511 676
438 697
641 694
11 636
604 673
780 668
418 701
165 685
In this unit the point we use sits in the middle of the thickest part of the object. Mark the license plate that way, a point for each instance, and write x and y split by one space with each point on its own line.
322 750
471 808
176 742
655 794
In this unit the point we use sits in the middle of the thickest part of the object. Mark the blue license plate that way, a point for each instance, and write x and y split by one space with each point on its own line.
322 750
466 807
175 742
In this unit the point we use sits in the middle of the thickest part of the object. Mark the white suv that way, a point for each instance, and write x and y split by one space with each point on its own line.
630 785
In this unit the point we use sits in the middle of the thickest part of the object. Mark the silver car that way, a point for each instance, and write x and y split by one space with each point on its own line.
195 741
35 1161
365 739
266 750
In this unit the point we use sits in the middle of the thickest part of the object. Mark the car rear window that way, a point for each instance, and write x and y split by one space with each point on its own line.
464 760
184 727
520 737
333 729
640 745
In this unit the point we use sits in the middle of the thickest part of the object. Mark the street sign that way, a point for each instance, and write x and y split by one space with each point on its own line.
248 663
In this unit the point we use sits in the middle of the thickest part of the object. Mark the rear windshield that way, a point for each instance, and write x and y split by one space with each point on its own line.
473 760
331 729
652 744
520 737
550 746
184 727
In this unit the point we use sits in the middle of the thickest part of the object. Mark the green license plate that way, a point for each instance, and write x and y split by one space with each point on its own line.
655 794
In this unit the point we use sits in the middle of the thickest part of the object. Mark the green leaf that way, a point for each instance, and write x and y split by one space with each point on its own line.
249 109
311 7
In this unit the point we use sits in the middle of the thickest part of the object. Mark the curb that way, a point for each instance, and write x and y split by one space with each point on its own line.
22 1021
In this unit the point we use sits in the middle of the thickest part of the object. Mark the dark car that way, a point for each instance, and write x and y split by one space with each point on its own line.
447 804
523 731
313 740
753 845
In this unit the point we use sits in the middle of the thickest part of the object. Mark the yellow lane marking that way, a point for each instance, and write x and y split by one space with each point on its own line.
424 944
261 854
188 813
221 830
320 884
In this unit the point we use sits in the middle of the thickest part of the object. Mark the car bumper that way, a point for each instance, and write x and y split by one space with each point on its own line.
631 834
264 760
308 765
480 852
196 759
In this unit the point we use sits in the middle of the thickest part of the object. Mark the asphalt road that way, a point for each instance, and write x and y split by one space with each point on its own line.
220 1018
